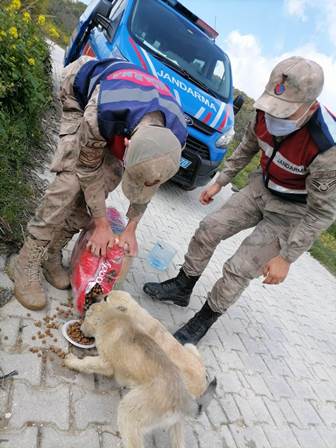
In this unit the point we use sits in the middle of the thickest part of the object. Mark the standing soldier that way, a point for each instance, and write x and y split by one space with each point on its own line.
290 199
118 122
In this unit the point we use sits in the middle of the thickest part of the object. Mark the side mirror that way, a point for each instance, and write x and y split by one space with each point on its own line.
101 15
237 103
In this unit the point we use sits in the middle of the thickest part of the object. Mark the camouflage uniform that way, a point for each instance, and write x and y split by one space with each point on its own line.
281 227
85 170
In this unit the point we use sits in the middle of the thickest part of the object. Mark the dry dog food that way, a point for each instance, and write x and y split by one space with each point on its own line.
91 297
74 332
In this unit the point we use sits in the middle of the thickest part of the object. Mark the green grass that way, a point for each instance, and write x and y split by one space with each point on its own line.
325 255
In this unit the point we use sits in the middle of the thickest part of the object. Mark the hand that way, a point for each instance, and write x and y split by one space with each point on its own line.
275 271
207 195
128 242
101 238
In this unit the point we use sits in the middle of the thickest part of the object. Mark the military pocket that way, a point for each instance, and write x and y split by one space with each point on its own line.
69 127
68 147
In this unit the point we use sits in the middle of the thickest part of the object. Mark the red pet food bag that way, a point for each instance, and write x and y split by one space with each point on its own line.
92 276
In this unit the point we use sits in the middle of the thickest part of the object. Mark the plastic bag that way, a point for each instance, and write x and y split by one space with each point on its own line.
92 276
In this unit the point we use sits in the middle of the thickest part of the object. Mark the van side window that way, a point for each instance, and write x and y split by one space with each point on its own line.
218 75
118 8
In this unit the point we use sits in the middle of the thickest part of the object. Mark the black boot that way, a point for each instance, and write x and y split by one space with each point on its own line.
177 290
197 326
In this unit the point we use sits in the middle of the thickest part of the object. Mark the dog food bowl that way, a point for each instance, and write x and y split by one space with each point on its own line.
65 328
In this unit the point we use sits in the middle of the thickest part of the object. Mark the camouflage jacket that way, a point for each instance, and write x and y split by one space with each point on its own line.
316 215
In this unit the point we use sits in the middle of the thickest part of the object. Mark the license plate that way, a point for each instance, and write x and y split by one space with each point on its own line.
185 163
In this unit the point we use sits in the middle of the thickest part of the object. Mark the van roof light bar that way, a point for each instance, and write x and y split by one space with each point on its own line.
207 29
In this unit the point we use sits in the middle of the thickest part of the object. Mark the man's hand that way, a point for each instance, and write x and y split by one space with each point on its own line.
207 195
101 238
127 239
275 271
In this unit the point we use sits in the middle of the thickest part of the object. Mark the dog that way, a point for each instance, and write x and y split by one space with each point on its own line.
186 357
159 396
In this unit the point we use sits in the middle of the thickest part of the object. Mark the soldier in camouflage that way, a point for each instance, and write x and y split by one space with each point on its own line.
289 200
101 143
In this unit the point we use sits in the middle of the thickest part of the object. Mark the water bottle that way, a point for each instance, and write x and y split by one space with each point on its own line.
161 255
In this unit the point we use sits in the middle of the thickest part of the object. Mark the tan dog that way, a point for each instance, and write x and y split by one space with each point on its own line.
159 396
186 357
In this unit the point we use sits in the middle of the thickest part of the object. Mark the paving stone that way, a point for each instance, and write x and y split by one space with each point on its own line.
229 382
278 387
230 408
281 438
327 412
110 440
290 415
28 365
208 438
309 438
33 404
4 403
277 366
26 438
14 308
305 412
9 332
216 414
258 385
326 391
56 374
260 411
228 360
249 437
302 389
253 363
5 281
280 418
328 436
53 438
92 406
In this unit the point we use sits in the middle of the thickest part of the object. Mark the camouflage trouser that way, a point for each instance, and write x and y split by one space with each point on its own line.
63 205
253 206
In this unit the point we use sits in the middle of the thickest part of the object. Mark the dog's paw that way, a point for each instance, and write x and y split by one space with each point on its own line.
70 361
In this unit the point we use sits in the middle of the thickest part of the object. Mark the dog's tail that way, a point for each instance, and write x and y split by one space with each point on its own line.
200 404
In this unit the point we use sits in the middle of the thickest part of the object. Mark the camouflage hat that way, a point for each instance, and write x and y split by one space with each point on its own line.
152 158
293 82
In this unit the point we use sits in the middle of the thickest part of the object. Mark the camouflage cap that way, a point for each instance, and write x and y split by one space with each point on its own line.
293 82
152 158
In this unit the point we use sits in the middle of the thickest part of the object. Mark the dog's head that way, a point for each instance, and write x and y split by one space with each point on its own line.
117 303
94 317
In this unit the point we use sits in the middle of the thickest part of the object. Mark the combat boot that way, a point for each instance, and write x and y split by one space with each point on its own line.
25 271
53 269
177 290
196 328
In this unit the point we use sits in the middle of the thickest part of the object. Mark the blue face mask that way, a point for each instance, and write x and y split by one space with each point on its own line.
279 126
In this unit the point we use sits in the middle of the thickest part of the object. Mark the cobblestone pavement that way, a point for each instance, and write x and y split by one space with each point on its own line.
273 354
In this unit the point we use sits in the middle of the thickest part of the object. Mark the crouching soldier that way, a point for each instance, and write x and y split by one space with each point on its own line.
288 201
118 123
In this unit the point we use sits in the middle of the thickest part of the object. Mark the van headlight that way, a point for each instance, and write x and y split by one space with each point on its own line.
225 139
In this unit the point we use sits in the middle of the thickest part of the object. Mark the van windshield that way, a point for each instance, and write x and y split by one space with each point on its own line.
182 46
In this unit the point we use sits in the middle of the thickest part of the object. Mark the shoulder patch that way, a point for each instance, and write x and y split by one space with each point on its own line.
324 182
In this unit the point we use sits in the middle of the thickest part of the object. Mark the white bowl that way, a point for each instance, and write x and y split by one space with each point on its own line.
67 337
